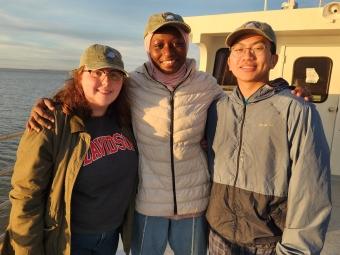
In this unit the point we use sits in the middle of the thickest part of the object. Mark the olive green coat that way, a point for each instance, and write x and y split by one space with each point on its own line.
44 175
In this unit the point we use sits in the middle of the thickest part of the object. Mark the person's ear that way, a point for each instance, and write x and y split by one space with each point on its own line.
273 60
228 61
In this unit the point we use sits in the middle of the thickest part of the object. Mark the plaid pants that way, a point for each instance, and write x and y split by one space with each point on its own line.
220 246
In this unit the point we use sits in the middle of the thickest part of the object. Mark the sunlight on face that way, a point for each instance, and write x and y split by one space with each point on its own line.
100 89
251 59
168 49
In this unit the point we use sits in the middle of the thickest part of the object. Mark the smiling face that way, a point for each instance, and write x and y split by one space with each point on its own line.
100 93
252 67
168 49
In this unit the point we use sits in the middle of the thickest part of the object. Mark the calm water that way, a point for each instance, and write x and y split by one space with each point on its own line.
19 89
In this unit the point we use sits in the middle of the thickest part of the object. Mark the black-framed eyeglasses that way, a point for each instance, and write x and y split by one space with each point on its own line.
113 75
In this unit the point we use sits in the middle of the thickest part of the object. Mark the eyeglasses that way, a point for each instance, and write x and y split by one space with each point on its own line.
257 50
113 75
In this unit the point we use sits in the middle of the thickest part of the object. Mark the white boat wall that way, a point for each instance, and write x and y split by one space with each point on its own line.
308 45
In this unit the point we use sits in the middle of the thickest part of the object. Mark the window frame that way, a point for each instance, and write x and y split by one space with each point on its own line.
326 74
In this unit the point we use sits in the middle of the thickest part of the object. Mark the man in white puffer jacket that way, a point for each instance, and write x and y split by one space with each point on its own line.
169 126
169 102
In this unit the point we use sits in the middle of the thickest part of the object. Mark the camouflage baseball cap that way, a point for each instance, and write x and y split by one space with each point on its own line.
252 27
167 18
99 56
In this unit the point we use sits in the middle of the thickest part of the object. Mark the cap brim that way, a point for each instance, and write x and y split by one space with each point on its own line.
176 24
231 38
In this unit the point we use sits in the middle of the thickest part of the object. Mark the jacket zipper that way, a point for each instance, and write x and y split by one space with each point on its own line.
172 105
172 161
172 151
237 172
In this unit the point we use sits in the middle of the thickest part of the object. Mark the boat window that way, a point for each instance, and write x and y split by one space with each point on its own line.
315 74
221 70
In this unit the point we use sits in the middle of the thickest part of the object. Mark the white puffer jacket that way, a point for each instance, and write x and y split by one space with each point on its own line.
169 126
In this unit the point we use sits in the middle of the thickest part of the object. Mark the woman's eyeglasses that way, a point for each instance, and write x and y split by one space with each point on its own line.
113 75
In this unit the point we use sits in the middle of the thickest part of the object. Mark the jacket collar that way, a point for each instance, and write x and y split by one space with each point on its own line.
191 64
77 124
266 91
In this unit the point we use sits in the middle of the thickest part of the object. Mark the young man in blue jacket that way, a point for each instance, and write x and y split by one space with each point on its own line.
269 158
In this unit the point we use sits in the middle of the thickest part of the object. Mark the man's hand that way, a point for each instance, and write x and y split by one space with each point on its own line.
41 115
302 92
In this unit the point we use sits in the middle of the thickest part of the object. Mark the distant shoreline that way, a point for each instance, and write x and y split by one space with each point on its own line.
33 70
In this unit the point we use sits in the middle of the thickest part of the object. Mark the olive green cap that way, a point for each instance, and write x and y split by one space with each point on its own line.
99 56
252 27
159 20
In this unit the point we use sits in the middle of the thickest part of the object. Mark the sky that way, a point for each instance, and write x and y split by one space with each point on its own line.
45 34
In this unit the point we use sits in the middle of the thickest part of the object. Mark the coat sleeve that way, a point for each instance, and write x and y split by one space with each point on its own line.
30 186
210 131
216 88
309 198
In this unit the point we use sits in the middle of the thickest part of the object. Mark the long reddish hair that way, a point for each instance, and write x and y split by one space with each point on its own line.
71 97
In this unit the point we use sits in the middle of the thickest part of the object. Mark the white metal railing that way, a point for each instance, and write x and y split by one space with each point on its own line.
10 136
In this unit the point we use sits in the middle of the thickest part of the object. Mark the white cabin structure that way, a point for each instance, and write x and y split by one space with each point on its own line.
308 45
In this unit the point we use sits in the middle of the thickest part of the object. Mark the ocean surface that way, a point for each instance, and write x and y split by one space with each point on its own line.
19 89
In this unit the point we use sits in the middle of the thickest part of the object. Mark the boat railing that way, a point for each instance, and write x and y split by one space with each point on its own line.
10 136
5 204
